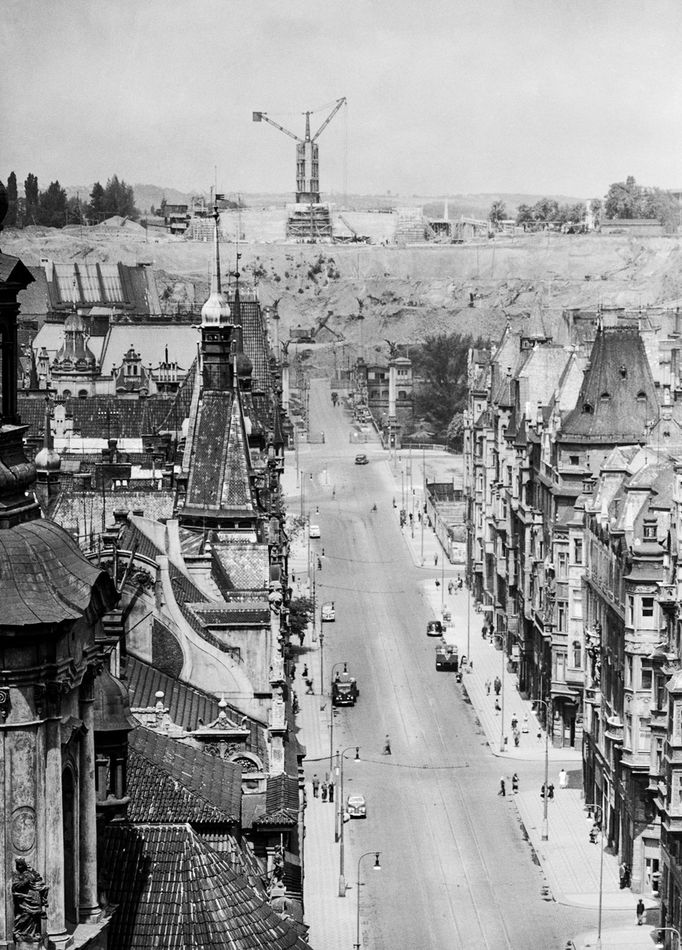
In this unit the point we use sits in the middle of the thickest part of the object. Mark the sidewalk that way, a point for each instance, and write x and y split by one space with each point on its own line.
571 864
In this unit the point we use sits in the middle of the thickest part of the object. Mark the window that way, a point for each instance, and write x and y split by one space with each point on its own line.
578 550
659 692
562 565
561 618
66 393
628 671
577 654
648 612
677 723
574 459
628 731
644 738
646 678
560 667
631 610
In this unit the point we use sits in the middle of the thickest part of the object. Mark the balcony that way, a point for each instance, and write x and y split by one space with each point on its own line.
667 596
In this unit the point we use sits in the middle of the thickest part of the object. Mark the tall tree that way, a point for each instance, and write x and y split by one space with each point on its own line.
52 206
12 201
497 213
119 198
32 198
96 206
622 199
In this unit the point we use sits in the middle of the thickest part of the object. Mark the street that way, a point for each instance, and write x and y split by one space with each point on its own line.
457 870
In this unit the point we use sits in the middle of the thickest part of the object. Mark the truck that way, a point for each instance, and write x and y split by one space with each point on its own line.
344 689
447 658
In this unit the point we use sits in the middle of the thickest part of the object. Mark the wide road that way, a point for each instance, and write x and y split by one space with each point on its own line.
456 868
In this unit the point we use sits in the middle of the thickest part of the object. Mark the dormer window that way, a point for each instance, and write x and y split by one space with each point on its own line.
623 370
588 408
649 530
641 396
605 397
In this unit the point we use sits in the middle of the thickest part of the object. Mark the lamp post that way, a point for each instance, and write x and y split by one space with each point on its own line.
331 715
469 617
376 867
601 864
545 824
342 870
672 930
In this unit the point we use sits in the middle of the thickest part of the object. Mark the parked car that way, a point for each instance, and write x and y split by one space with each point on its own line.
314 531
328 611
361 460
356 806
434 628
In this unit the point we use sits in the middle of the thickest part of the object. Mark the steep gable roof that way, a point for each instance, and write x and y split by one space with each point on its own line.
617 399
170 782
174 891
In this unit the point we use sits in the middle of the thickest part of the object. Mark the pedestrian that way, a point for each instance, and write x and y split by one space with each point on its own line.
484 631
323 792
515 783
524 727
316 786
330 792
488 684
498 685
563 778
451 587
517 737
305 671
503 788
550 792
460 582
498 708
387 746
309 687
301 636
641 910
514 721
539 736
624 875
322 552
594 833
463 661
435 560
319 564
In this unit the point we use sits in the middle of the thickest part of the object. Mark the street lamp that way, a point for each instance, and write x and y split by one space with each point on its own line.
375 867
331 715
545 825
341 811
588 805
672 930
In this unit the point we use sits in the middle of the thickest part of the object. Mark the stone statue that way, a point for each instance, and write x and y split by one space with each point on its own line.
29 892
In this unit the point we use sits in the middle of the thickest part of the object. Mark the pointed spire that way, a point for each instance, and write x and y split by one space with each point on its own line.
216 310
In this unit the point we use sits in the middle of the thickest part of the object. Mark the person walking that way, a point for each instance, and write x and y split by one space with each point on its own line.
517 737
323 792
435 560
498 708
309 687
387 746
488 684
550 792
498 685
503 788
514 721
330 792
451 587
515 783
316 786
524 727
641 910
484 631
563 778
301 636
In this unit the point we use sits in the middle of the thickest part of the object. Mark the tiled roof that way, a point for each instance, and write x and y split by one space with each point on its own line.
170 782
44 578
99 416
281 801
617 399
255 344
220 464
246 564
186 705
12 270
81 511
128 286
242 614
174 892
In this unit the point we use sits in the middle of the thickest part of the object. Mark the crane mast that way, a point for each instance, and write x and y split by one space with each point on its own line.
307 154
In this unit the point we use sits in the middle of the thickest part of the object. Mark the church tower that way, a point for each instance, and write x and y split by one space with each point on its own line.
217 330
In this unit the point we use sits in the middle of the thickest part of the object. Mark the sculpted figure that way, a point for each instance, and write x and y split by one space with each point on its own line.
29 892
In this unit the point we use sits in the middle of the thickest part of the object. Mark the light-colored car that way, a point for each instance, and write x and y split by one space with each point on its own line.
314 531
434 628
356 806
328 611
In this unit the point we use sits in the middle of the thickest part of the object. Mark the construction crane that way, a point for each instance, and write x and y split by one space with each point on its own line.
307 153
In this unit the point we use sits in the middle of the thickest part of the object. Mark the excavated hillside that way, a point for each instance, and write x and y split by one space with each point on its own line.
372 293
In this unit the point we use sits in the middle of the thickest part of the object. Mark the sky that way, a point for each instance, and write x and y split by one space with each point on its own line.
557 97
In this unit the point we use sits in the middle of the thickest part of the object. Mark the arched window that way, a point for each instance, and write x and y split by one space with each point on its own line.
588 408
82 394
66 393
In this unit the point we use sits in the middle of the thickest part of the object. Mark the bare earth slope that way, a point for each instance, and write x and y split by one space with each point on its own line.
406 292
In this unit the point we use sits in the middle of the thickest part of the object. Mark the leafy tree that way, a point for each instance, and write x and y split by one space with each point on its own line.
497 213
32 198
119 198
524 216
52 206
546 210
96 206
456 430
301 612
441 363
596 207
622 199
12 196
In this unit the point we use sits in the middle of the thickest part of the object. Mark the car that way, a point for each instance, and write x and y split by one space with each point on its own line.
314 531
361 460
328 611
434 628
356 806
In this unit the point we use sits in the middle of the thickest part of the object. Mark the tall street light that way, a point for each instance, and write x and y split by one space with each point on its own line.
344 664
375 867
601 864
342 873
545 824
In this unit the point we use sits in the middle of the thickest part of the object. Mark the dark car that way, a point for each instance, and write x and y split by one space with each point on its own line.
434 628
361 460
